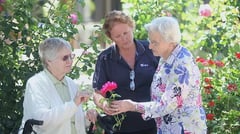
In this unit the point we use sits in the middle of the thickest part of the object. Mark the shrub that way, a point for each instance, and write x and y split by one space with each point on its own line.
22 28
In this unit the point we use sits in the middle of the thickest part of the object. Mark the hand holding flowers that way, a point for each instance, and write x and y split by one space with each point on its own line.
107 91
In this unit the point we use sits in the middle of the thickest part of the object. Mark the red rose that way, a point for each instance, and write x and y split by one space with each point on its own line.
210 62
1 8
207 80
207 91
237 54
210 116
209 86
219 63
200 59
232 87
211 103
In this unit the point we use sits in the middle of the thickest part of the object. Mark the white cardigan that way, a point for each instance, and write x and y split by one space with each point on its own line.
42 102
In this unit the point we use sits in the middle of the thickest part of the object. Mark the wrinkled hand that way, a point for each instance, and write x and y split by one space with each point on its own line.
121 106
81 97
107 109
92 115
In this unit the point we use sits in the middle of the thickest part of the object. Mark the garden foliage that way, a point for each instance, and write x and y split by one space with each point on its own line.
212 36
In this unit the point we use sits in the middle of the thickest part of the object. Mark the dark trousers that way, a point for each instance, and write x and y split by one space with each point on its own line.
146 131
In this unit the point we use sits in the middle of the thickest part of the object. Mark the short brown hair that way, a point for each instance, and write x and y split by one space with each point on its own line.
116 16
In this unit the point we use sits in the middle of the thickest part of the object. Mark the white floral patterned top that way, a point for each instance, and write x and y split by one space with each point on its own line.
176 98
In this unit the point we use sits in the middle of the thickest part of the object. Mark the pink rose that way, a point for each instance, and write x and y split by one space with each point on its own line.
205 10
108 87
74 18
2 1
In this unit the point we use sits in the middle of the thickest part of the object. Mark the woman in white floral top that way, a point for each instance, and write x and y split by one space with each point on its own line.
175 91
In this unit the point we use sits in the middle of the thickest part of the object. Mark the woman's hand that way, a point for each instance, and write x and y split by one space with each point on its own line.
102 103
92 115
121 106
106 108
81 97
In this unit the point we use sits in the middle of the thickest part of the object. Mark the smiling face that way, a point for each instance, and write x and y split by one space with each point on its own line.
62 64
159 46
122 35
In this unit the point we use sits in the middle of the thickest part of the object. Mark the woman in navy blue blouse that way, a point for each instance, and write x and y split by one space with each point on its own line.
131 64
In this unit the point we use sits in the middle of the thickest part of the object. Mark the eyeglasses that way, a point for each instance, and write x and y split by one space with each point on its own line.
155 43
132 83
68 57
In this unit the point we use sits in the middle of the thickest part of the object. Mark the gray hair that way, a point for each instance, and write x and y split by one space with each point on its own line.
167 27
49 48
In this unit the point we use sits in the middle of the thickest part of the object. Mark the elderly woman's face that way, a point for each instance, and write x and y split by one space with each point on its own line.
158 46
62 64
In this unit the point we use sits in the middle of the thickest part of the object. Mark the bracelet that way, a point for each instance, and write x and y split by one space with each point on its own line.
139 108
136 107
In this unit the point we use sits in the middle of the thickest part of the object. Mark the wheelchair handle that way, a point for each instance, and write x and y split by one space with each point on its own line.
28 126
34 122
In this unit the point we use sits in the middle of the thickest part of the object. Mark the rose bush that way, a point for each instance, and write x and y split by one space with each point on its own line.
220 90
219 64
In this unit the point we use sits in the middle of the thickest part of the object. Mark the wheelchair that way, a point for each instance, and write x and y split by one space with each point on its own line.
28 126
